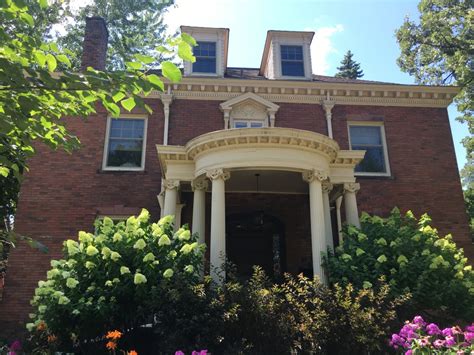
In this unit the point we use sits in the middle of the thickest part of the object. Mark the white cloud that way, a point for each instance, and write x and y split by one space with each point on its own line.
322 47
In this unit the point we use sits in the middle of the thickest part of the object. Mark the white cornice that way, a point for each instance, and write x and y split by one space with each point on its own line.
223 89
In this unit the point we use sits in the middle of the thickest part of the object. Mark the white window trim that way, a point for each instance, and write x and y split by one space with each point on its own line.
106 143
384 144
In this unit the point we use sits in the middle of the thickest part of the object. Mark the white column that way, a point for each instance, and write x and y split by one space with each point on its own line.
350 203
327 187
177 217
271 114
328 106
166 99
199 209
217 247
318 238
171 197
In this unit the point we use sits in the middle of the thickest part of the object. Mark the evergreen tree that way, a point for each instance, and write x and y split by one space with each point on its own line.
349 68
135 27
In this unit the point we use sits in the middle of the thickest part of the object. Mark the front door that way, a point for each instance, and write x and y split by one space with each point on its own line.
255 239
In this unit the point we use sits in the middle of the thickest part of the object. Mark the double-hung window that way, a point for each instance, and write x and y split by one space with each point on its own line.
371 138
125 143
292 63
205 53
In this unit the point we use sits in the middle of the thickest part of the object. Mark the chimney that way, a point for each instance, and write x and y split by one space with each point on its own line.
94 49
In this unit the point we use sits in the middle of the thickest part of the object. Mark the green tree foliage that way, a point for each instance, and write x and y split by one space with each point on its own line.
438 50
411 256
349 68
34 97
135 27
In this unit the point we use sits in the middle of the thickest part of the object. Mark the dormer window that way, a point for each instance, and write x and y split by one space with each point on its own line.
292 62
205 53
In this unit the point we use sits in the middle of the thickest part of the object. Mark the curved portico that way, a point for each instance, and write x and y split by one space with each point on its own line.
215 155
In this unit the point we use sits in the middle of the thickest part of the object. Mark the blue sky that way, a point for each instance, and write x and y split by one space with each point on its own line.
366 27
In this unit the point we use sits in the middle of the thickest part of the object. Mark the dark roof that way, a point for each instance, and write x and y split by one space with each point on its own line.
253 74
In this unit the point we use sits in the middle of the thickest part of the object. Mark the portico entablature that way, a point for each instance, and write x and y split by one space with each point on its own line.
263 148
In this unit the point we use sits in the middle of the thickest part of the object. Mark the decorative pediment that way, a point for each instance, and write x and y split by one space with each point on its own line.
249 107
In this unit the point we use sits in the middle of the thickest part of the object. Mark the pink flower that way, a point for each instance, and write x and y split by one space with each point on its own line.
178 352
419 321
438 343
433 329
202 352
469 336
15 346
470 328
447 331
409 352
450 341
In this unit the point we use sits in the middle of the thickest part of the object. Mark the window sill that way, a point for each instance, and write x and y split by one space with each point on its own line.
374 177
122 171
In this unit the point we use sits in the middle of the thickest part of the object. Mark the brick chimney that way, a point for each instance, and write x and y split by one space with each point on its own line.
94 49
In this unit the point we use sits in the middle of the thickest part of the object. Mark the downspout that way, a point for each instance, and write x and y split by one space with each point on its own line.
339 220
328 105
166 99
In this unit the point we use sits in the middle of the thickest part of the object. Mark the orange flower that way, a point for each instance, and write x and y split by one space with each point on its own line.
52 338
113 335
41 326
132 352
111 345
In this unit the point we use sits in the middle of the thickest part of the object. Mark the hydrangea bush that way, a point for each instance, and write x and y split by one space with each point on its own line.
412 257
119 277
419 337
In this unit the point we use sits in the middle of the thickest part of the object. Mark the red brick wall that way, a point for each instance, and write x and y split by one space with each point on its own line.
63 193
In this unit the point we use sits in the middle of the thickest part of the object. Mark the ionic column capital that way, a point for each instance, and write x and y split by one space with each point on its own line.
199 184
311 175
327 186
216 174
170 184
351 187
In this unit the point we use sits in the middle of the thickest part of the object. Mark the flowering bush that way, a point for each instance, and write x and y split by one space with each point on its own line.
121 277
412 258
418 337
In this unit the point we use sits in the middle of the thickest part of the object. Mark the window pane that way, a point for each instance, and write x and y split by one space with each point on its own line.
292 68
256 124
240 124
373 162
369 135
125 142
205 53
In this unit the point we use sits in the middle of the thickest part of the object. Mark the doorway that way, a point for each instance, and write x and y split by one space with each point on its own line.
256 239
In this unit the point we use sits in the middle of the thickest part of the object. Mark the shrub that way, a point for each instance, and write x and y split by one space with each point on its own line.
412 257
419 337
121 277
303 315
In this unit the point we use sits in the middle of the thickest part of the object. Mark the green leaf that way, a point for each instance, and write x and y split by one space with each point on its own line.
188 39
64 59
367 284
118 96
40 58
128 104
155 80
4 171
382 258
185 52
171 71
133 65
359 252
26 17
51 61
144 58
43 4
